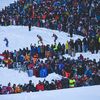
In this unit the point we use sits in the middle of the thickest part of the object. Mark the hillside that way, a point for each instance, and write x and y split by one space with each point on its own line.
24 38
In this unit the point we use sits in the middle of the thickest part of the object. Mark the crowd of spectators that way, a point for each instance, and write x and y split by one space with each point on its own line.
72 16
28 56
70 82
82 70
29 59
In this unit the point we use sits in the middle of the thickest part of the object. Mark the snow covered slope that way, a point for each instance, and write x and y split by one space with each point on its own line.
20 37
4 3
83 93
9 75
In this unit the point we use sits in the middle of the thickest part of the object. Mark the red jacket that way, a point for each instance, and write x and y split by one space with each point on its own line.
59 85
40 87
31 65
9 89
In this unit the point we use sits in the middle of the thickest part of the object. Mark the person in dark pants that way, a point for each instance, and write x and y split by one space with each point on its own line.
29 26
55 37
71 30
7 42
40 39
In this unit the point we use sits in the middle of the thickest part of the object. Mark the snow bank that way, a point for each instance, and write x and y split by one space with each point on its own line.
13 76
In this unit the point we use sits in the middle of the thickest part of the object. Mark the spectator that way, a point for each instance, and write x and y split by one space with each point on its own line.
71 82
9 88
43 71
29 26
30 87
18 89
40 86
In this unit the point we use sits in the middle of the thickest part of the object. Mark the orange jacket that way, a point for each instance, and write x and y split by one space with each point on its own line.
27 57
18 89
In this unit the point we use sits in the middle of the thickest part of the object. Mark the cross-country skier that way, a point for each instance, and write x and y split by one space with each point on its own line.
40 39
7 42
55 37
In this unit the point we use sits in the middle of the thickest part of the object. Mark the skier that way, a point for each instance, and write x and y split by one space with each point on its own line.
7 42
40 39
55 37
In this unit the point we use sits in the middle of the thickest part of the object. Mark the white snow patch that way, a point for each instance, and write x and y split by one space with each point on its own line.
15 77
87 55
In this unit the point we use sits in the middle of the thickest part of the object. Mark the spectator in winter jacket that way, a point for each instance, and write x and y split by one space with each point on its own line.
66 47
65 82
30 87
46 85
58 84
71 83
35 58
4 90
60 68
30 72
85 45
9 88
18 89
52 85
29 26
43 72
40 86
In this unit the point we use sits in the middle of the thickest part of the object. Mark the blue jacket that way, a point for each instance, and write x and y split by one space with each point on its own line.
21 58
88 73
43 72
39 49
60 66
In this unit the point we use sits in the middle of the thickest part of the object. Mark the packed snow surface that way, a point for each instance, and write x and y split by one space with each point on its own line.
20 37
